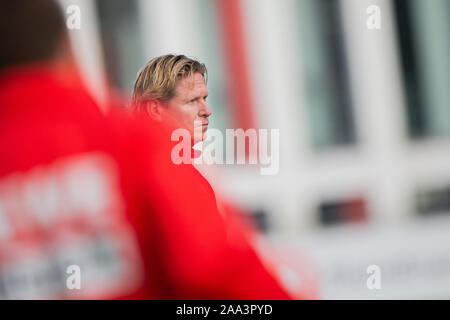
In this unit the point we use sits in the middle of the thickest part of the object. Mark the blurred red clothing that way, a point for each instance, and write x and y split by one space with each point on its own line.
101 193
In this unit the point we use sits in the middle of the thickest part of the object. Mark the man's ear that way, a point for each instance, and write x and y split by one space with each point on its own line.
153 108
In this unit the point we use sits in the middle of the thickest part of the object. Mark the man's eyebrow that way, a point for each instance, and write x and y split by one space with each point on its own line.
197 97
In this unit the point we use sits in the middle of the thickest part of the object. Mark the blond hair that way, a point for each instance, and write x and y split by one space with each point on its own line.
158 78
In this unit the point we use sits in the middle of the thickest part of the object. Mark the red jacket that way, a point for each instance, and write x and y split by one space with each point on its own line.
91 206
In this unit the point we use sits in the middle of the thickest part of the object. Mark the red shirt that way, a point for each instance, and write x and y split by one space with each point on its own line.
91 206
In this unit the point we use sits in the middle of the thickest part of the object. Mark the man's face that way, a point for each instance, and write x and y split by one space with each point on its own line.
189 105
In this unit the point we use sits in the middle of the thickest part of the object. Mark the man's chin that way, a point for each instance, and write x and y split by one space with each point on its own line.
197 137
196 141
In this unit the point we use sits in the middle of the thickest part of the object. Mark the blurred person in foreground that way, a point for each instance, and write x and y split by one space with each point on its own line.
173 89
90 205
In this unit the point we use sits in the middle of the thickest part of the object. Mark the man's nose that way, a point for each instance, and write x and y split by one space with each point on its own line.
205 111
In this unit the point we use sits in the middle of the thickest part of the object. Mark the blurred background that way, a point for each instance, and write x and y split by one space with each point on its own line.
363 114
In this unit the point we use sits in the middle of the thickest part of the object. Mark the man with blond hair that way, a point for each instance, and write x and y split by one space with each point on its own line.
172 88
